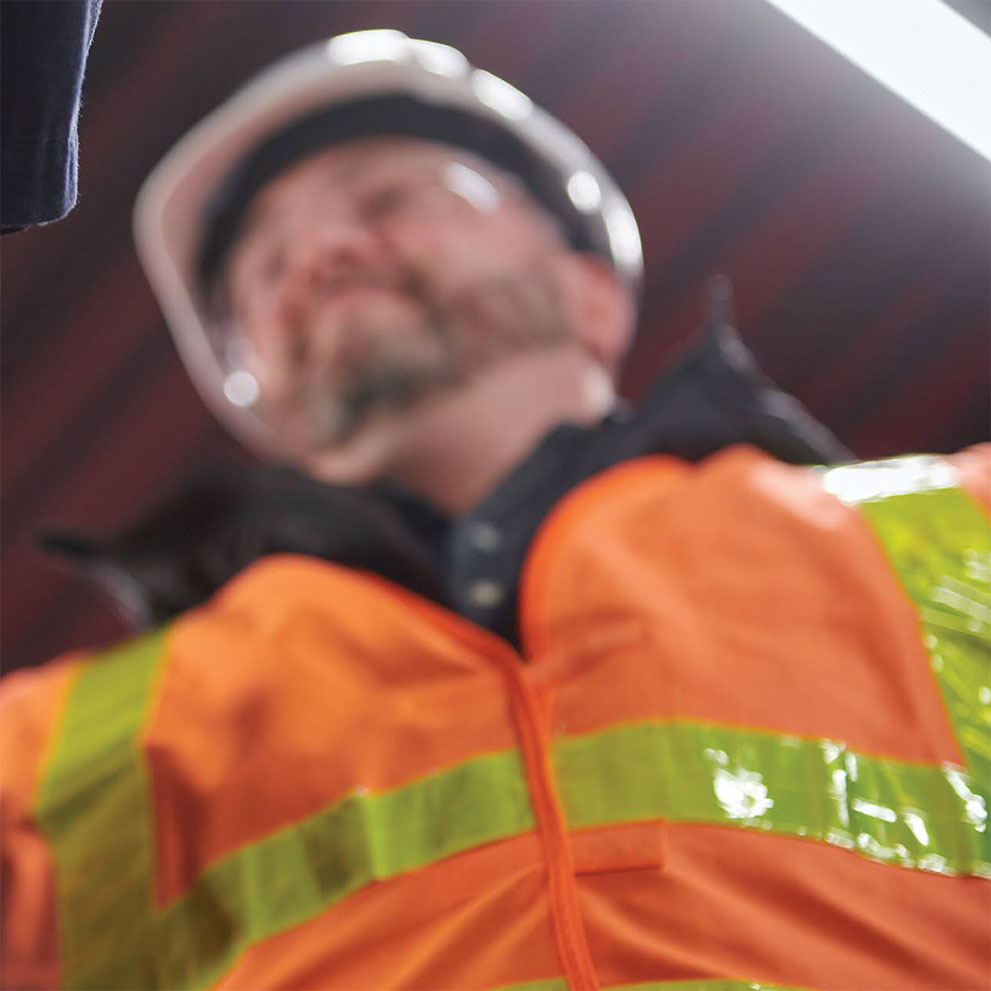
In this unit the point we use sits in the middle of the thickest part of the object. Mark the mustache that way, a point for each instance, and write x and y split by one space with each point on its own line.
399 279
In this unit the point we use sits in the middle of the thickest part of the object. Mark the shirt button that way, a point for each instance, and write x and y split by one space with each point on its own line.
485 594
484 536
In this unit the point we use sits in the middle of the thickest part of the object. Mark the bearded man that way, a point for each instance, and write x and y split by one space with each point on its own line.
503 683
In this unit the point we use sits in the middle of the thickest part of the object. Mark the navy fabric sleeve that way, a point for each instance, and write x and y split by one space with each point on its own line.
44 49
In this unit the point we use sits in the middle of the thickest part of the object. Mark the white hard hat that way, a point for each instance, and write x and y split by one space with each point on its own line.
354 85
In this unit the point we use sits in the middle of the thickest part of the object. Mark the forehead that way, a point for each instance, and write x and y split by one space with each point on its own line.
352 166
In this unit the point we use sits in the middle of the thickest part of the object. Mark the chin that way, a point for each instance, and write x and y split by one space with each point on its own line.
360 460
376 312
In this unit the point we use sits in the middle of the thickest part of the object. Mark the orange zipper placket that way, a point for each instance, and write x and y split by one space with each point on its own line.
529 698
530 704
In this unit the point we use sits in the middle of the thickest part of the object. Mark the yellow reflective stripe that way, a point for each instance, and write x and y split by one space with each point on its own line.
94 807
914 815
296 873
94 803
939 544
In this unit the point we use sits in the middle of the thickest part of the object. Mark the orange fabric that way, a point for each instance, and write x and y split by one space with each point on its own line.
489 905
301 682
632 847
476 920
218 742
737 592
30 705
780 910
740 593
534 729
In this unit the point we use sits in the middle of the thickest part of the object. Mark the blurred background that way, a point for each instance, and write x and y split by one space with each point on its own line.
855 233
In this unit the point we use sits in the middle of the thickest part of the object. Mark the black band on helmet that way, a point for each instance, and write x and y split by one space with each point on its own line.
379 116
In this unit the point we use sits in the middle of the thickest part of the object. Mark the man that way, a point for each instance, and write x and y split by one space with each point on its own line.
546 693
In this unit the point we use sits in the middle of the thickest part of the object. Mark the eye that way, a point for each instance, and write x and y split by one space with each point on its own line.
392 199
385 202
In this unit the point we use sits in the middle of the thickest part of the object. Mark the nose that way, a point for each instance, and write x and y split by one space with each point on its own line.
324 250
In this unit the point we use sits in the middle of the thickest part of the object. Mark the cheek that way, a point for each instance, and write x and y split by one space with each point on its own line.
457 255
267 358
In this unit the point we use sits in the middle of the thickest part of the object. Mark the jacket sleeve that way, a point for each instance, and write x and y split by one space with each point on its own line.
31 703
44 51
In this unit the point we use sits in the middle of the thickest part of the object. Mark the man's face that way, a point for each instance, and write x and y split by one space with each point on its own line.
375 275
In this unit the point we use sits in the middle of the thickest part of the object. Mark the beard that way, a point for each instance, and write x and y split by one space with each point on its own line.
390 356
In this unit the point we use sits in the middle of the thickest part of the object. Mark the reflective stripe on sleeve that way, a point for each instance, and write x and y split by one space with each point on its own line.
296 873
938 541
94 807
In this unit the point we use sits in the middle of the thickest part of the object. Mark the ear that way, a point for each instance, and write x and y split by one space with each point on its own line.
599 306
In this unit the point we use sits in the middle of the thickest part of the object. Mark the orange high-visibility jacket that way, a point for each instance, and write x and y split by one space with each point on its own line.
746 745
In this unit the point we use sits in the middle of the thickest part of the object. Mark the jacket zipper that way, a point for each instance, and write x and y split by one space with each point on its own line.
569 930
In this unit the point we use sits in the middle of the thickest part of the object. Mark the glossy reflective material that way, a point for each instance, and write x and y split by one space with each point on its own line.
928 817
870 481
911 814
939 544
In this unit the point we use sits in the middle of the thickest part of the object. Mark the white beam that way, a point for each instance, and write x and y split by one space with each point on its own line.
923 50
